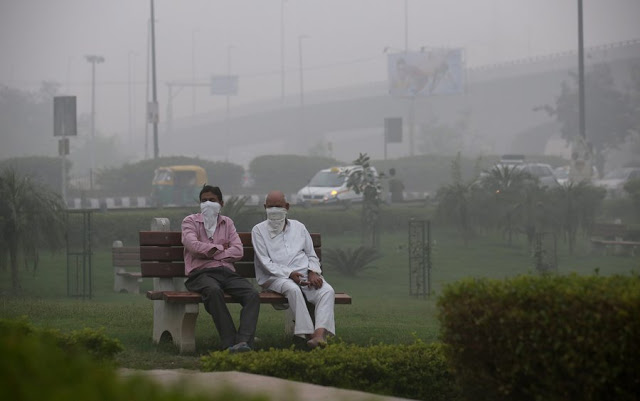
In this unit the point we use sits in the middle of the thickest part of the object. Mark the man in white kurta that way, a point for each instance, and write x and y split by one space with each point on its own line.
286 262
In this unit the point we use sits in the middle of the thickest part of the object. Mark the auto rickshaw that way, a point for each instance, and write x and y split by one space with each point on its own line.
177 185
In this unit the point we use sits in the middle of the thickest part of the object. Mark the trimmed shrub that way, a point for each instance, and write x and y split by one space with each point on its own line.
416 371
88 341
544 338
41 365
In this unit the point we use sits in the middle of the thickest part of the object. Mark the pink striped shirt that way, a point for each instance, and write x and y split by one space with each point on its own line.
197 245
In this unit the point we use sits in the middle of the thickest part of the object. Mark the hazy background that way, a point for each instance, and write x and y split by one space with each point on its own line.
47 40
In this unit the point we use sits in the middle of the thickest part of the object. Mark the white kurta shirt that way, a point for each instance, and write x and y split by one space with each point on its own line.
289 251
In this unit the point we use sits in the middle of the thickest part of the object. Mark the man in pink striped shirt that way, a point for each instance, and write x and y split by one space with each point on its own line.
211 245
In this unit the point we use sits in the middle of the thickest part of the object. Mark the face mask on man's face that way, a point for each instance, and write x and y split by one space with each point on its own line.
276 218
210 211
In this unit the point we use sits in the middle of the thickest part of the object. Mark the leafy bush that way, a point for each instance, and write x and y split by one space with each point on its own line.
349 261
416 371
89 341
550 337
45 365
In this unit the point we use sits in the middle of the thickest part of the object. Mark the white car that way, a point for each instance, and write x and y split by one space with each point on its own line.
329 186
614 180
542 171
562 174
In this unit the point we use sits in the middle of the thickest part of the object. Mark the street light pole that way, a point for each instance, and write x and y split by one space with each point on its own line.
406 26
93 59
228 94
282 50
301 69
156 149
193 70
581 73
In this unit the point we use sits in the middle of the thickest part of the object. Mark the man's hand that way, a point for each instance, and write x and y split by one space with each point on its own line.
315 280
297 278
212 252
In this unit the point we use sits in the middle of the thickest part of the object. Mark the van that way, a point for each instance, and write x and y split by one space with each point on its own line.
329 186
177 185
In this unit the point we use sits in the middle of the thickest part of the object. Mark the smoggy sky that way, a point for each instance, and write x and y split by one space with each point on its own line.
48 39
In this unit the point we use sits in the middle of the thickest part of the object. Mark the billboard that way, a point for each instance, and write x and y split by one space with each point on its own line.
224 85
393 129
64 116
432 72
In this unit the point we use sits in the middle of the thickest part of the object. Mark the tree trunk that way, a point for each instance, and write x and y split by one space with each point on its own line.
13 261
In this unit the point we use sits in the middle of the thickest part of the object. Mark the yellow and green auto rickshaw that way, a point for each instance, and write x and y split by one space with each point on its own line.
178 185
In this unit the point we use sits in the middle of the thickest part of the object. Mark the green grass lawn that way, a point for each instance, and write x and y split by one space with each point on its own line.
382 309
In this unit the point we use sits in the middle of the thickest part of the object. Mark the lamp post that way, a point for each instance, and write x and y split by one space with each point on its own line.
156 148
301 69
93 59
193 70
581 72
282 50
229 47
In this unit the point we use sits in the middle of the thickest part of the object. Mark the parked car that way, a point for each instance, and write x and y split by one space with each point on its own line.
614 180
543 171
562 174
329 186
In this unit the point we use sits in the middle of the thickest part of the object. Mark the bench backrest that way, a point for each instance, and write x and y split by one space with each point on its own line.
162 254
125 256
608 230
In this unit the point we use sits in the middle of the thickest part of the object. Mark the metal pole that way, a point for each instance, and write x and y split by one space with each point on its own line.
93 59
581 72
170 109
301 71
93 123
130 98
156 149
64 169
146 119
406 26
411 123
228 94
193 70
282 50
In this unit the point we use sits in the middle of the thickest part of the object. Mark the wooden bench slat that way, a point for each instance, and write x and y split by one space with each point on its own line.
161 253
174 238
162 269
266 297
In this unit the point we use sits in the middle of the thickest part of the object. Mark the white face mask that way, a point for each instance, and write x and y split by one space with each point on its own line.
210 211
276 218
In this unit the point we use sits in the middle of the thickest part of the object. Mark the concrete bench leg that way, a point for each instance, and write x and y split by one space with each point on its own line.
179 320
124 282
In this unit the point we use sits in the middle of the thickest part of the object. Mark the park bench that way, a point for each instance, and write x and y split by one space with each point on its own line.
175 308
123 258
610 239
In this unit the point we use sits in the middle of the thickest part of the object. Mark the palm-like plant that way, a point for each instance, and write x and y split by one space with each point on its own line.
366 182
31 216
349 261
508 184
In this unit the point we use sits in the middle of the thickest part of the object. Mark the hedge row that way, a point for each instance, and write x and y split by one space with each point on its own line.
41 365
552 338
416 371
112 225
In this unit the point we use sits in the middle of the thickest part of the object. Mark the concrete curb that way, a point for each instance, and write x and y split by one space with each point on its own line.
193 381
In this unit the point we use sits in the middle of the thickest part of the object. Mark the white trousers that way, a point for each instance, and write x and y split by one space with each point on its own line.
323 299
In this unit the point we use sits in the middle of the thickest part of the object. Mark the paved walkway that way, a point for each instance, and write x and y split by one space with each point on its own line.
276 389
